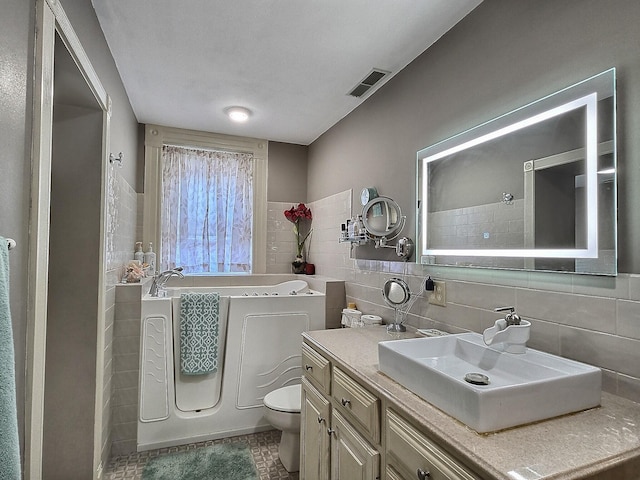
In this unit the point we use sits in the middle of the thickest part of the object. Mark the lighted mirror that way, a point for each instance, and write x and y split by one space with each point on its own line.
533 189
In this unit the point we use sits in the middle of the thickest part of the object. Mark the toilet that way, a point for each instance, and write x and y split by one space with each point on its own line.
282 410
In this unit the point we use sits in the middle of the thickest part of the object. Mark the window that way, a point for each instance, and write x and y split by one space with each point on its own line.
205 201
206 210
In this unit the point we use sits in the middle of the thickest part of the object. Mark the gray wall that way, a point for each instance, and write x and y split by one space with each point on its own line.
287 172
505 54
16 38
70 377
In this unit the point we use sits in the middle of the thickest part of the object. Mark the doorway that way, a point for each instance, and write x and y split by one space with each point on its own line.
65 398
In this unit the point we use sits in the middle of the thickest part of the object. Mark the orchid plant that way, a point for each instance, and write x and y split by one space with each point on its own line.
295 215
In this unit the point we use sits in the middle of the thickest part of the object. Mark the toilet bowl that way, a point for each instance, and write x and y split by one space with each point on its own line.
282 410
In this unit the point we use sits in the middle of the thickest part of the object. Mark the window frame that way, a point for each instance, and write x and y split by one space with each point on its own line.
156 136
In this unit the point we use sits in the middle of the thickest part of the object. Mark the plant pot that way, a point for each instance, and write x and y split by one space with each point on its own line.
298 265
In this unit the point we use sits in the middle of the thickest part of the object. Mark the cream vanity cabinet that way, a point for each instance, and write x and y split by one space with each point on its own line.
340 429
342 439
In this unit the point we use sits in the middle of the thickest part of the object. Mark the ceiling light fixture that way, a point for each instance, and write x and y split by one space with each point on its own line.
238 114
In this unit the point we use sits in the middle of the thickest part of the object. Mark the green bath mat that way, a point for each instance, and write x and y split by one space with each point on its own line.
226 461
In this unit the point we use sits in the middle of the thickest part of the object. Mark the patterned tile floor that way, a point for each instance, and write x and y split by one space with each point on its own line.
264 447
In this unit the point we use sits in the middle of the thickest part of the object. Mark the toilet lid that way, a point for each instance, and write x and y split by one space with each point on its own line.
285 399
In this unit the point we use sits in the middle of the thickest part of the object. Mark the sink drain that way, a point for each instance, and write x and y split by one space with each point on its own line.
476 378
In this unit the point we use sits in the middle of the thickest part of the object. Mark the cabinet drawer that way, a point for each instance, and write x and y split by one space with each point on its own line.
317 368
409 451
357 402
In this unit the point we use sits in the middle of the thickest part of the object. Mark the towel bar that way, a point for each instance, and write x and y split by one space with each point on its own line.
11 243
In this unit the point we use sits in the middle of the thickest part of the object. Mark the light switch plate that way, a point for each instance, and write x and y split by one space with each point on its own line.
439 294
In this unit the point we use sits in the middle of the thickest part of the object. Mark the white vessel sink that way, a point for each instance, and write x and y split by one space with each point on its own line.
522 388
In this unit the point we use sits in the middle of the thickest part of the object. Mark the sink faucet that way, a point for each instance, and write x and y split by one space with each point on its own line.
511 332
161 278
512 318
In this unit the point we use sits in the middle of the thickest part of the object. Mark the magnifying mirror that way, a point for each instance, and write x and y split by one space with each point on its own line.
382 218
396 292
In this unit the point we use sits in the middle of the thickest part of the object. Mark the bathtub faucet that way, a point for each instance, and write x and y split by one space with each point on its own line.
161 278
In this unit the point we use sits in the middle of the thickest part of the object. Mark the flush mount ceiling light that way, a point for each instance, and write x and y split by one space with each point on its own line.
238 114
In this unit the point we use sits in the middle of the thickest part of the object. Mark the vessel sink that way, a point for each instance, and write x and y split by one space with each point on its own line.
488 389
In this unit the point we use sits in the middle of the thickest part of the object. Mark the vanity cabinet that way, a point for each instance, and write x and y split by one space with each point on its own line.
340 424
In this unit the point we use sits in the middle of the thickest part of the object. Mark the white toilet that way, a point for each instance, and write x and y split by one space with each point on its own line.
282 410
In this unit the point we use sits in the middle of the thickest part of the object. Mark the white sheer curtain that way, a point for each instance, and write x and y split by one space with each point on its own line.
206 210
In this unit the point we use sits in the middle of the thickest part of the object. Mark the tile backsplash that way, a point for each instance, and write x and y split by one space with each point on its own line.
595 320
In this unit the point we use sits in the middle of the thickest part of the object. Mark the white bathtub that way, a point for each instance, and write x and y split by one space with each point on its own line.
260 345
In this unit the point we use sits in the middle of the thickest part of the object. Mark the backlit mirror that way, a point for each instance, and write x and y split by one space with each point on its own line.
534 189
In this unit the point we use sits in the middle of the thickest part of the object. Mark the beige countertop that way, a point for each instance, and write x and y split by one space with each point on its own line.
599 441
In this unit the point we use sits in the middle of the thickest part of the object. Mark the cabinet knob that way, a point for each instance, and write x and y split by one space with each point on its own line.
422 475
330 431
308 367
345 402
320 419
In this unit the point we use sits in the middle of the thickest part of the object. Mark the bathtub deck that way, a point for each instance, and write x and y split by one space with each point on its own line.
264 447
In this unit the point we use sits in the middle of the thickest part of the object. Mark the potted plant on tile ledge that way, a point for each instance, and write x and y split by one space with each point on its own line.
301 218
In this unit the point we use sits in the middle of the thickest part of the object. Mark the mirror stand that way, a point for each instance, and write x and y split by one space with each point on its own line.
396 326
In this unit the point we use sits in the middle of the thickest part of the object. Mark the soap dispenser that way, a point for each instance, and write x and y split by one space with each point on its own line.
150 258
138 254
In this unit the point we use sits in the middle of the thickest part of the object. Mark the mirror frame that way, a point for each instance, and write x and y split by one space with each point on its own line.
389 233
585 94
388 285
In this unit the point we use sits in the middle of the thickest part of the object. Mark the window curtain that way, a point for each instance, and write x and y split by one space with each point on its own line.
206 210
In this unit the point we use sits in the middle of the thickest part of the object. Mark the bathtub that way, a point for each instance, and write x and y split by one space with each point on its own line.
260 351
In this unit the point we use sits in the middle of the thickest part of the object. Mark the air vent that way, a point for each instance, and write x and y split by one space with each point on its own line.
367 82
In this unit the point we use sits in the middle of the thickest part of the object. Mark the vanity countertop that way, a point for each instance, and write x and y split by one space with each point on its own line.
575 446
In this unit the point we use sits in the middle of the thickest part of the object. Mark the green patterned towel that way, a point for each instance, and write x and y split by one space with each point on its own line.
199 333
9 441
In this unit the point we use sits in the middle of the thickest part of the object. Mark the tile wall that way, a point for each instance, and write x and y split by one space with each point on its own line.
120 236
324 251
126 354
588 318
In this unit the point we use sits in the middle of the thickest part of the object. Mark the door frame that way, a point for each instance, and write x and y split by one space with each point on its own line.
51 20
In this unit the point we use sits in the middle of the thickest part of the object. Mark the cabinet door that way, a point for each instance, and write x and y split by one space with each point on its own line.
352 458
411 455
314 438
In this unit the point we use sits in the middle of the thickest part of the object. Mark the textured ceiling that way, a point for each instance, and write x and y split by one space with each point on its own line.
291 62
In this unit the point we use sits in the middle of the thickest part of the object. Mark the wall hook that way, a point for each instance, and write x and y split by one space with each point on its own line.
507 198
119 158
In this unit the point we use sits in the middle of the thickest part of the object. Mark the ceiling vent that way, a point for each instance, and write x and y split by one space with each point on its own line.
369 81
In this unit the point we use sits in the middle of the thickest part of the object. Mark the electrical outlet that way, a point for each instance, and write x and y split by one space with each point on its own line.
439 294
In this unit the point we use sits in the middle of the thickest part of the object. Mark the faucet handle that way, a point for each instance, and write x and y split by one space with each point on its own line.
512 317
504 309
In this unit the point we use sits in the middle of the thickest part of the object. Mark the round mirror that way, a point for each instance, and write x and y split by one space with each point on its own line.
396 292
382 217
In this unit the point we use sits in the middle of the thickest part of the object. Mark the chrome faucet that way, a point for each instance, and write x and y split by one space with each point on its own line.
511 333
512 318
161 278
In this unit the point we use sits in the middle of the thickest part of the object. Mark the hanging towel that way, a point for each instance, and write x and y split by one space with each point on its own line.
199 333
9 442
